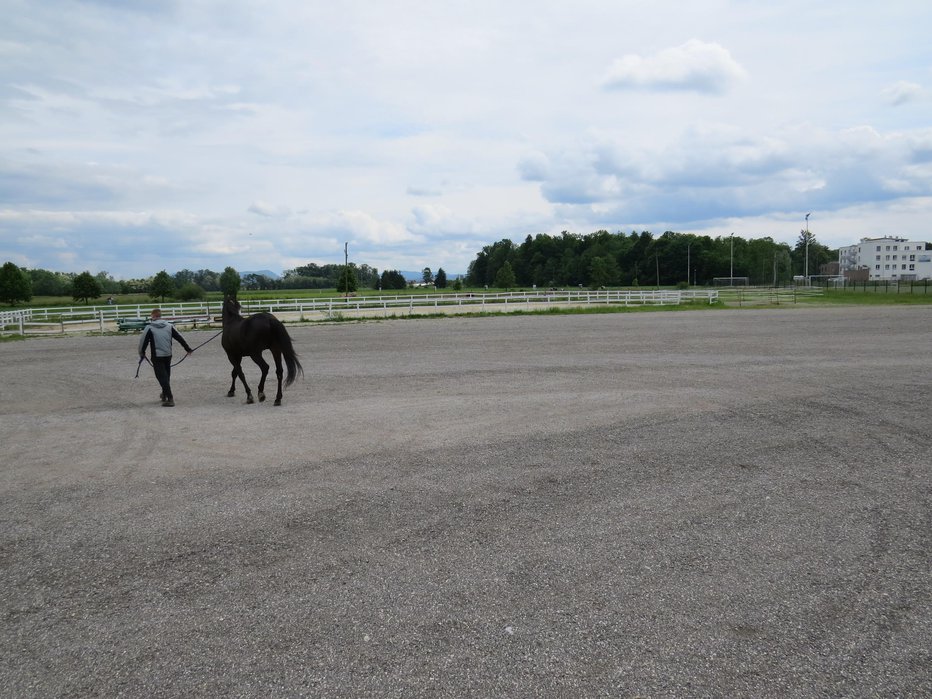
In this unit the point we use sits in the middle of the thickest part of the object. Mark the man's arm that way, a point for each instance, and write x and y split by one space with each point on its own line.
145 341
181 341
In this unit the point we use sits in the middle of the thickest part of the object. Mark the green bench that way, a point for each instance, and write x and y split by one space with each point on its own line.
132 323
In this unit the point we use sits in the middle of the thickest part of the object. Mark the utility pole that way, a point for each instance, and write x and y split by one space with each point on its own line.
731 279
346 268
806 270
687 263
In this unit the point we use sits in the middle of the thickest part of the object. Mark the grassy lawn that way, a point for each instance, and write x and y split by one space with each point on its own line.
880 296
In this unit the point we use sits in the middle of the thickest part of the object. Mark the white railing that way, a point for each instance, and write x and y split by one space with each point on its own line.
103 318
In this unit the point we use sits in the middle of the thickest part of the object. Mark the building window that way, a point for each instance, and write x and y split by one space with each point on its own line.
903 267
878 248
912 258
894 247
876 266
886 266
888 248
912 267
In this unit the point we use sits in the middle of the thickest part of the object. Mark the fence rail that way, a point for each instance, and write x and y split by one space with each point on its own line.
104 318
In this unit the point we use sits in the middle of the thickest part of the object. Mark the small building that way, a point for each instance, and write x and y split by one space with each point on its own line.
886 259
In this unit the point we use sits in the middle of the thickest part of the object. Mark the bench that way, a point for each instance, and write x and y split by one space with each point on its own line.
131 323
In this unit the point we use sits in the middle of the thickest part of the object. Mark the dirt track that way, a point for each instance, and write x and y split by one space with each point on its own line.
715 503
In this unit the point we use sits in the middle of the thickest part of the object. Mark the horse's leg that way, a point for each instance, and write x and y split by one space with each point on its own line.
238 371
279 372
264 368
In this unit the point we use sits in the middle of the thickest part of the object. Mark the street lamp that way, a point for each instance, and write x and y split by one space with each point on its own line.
806 270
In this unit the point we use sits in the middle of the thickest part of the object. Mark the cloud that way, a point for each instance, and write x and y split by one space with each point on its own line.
903 92
715 174
261 208
694 66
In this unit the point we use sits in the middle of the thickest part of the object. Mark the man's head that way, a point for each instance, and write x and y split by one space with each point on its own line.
156 313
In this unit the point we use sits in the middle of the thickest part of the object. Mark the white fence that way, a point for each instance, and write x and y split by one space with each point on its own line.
103 318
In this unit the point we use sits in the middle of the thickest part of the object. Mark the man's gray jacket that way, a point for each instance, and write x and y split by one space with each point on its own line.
160 333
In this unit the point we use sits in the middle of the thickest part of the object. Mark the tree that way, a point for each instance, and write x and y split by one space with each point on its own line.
230 282
505 278
347 282
84 287
45 283
262 282
603 271
427 276
818 254
108 284
440 281
190 292
162 285
15 284
393 279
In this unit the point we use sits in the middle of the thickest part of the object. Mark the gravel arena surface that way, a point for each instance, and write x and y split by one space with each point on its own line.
721 503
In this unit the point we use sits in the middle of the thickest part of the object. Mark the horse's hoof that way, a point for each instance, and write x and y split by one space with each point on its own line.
249 400
277 402
262 398
231 394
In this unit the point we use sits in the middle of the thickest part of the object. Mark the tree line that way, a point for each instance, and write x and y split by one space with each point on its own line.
595 260
19 284
604 259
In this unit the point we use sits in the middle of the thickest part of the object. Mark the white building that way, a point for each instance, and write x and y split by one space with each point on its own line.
888 259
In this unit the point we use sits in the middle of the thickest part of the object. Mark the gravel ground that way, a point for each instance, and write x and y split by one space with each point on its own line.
714 503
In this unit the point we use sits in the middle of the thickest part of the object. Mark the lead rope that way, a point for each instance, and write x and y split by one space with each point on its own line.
144 357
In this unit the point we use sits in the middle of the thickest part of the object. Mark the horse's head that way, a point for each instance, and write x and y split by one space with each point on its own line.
231 307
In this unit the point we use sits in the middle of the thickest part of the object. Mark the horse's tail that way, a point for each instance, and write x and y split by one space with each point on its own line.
292 365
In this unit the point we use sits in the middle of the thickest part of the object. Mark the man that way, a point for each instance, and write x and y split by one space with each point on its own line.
159 335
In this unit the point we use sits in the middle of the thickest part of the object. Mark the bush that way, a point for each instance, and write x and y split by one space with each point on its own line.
190 292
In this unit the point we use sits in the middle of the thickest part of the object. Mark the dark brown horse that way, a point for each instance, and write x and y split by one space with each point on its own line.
250 337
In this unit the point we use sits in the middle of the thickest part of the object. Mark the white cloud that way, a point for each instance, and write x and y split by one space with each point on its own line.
903 92
262 208
695 66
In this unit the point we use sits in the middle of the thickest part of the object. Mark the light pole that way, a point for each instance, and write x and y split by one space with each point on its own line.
687 263
346 268
806 270
731 279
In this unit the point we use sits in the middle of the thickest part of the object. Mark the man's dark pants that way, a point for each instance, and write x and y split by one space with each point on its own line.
163 373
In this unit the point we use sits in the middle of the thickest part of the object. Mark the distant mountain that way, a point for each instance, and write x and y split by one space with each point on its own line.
264 272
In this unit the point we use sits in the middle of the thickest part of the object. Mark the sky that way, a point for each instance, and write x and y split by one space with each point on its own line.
139 136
